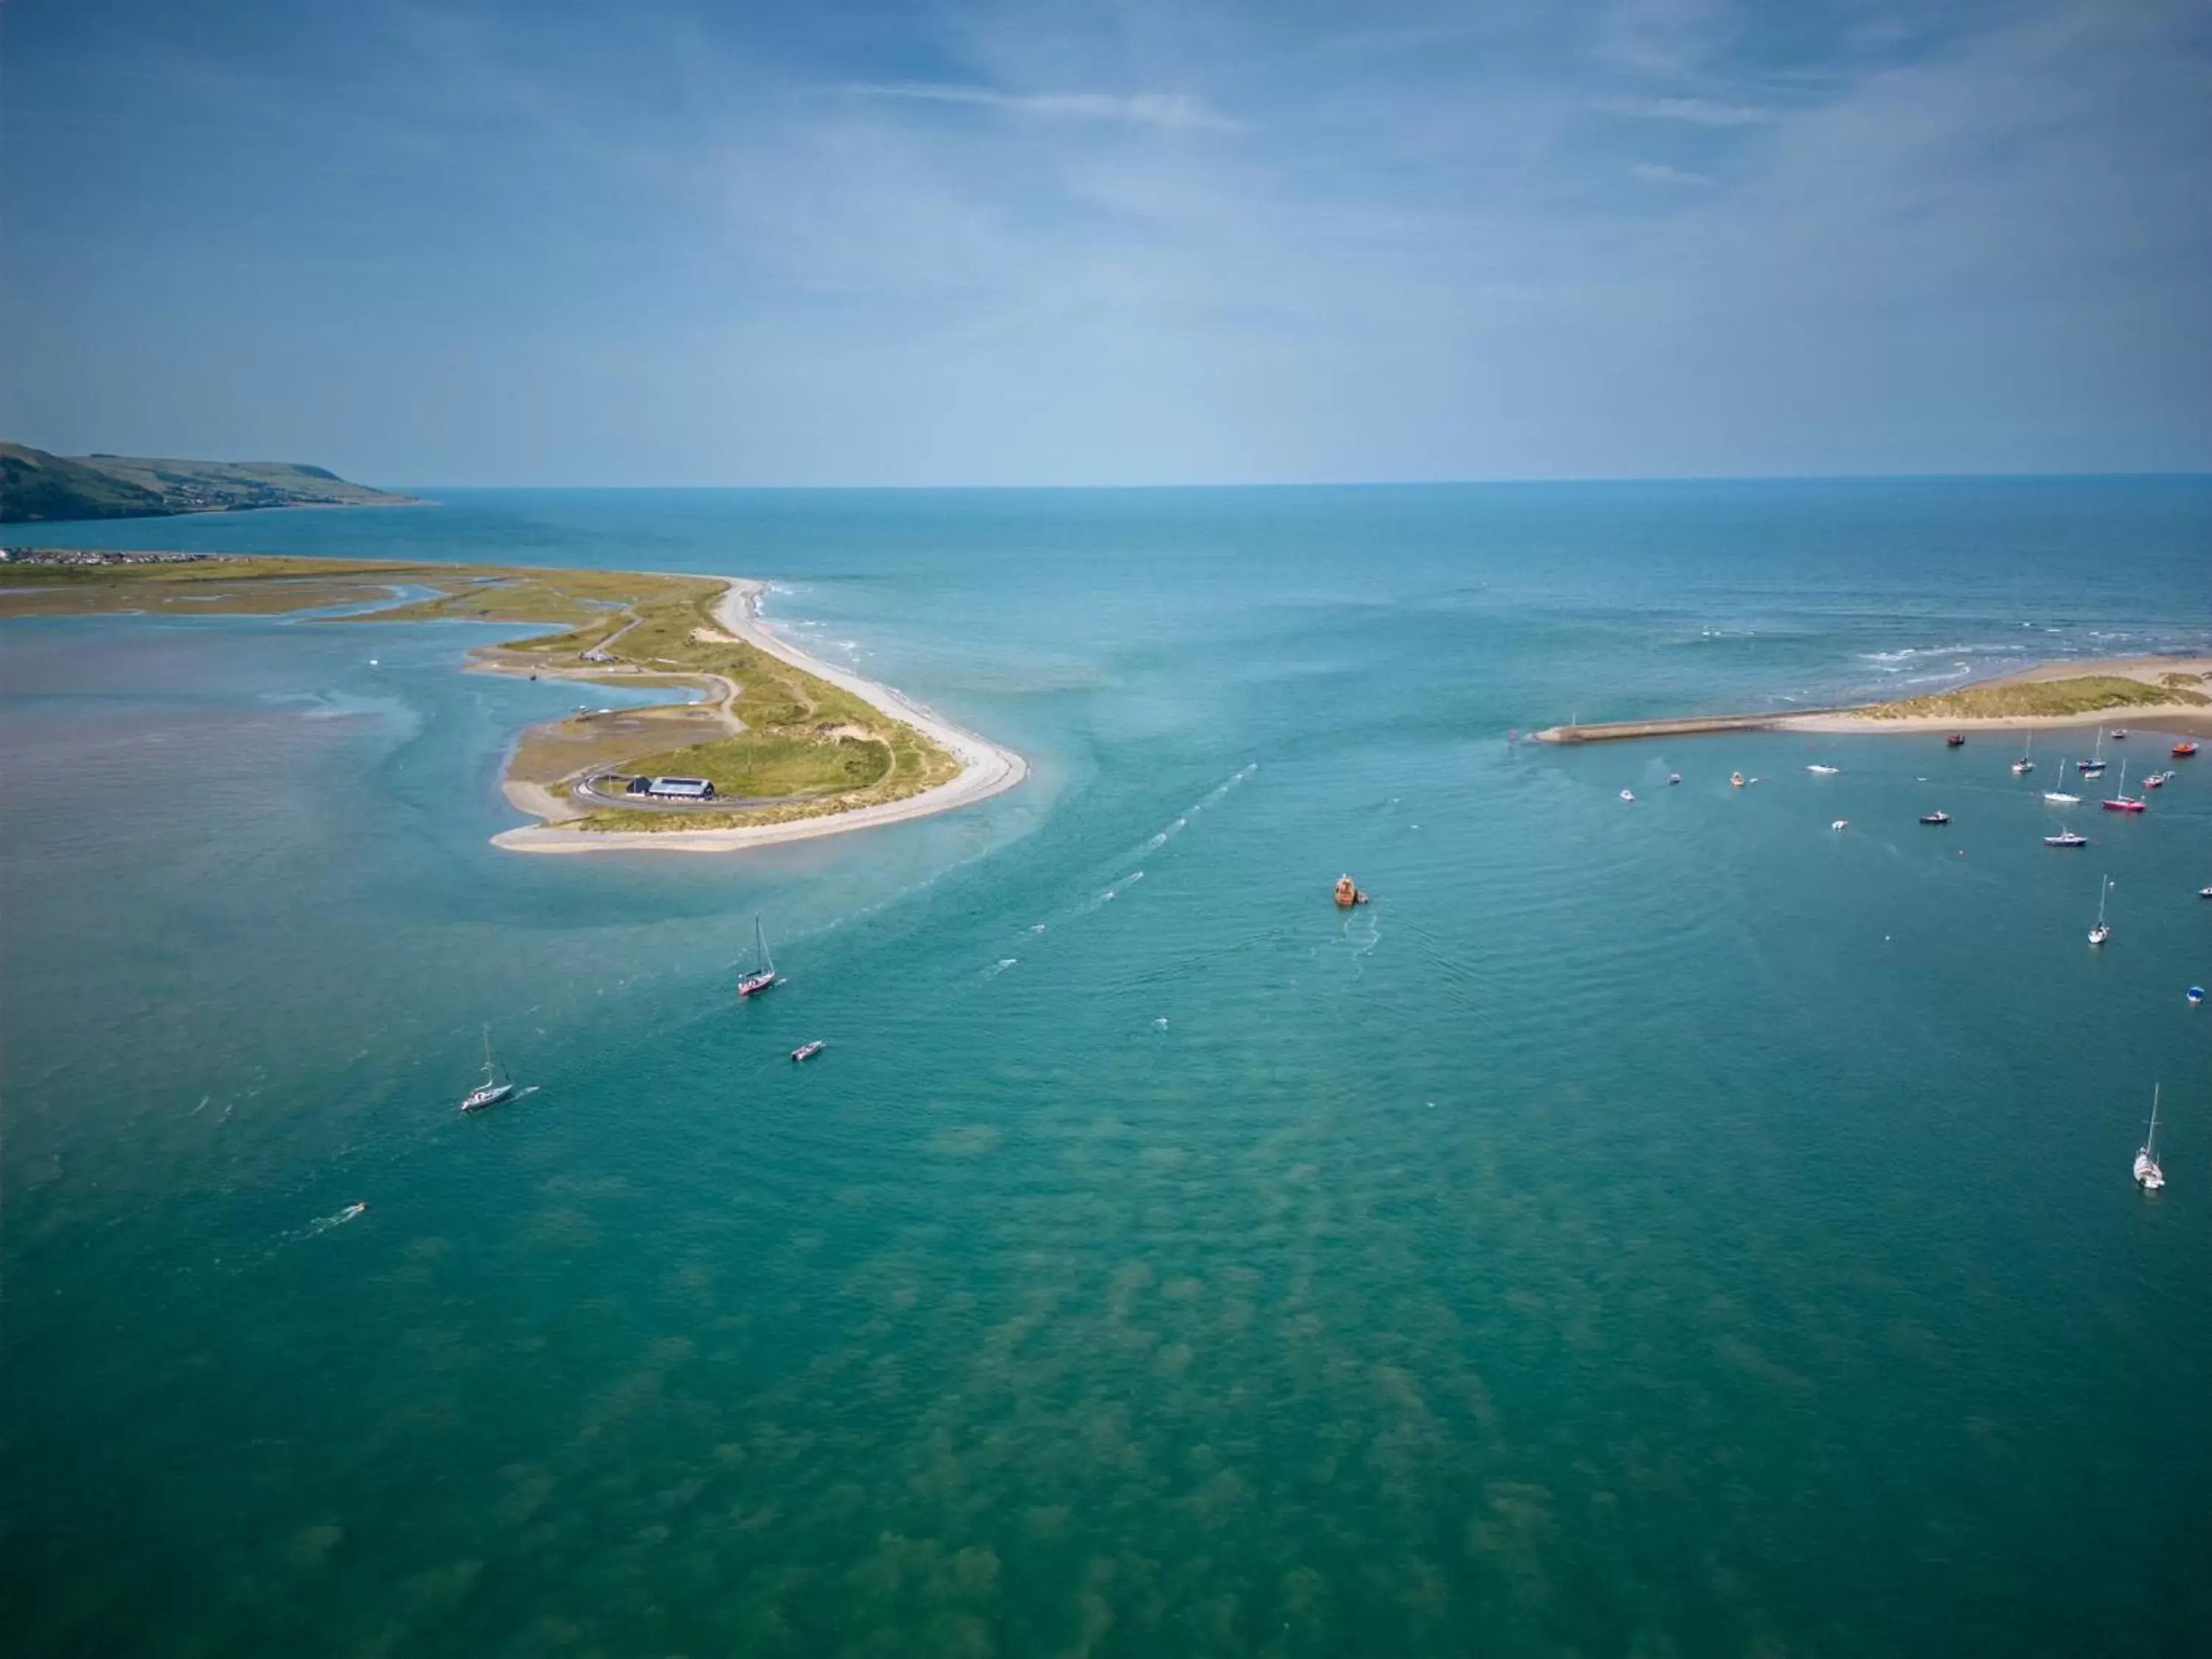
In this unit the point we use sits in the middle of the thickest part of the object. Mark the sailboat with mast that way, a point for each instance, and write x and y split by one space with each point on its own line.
2103 929
2095 766
2149 1175
762 974
2124 802
2025 764
496 1086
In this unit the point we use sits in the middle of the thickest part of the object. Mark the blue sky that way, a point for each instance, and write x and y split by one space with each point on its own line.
654 243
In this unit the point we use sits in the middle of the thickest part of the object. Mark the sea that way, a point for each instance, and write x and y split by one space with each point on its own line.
1673 1226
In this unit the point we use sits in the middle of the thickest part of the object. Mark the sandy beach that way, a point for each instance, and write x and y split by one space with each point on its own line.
2182 719
2191 719
985 769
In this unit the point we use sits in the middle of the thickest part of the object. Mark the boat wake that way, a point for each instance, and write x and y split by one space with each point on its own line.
323 1224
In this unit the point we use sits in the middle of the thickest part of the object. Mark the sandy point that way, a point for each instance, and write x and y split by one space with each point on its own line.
986 769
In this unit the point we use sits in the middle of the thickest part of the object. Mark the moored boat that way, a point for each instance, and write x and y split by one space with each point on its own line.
1935 818
2103 929
2025 764
2122 801
2149 1175
808 1050
1956 740
2182 749
2066 838
1736 779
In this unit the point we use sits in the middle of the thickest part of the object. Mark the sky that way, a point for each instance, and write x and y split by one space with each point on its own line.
670 242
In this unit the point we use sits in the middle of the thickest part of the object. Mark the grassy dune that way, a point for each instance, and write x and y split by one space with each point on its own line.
2087 694
807 745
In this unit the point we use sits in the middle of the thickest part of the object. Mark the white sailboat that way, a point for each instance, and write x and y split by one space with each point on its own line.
2059 795
2102 931
495 1087
763 973
2149 1175
2025 764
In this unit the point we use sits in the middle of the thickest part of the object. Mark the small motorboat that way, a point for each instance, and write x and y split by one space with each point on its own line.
1736 779
2066 838
1348 893
2196 995
1674 778
2204 892
2182 749
2156 780
1956 740
2118 734
1823 771
1628 794
1840 825
1935 818
808 1050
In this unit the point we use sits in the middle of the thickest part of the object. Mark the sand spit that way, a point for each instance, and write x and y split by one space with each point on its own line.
985 769
2193 718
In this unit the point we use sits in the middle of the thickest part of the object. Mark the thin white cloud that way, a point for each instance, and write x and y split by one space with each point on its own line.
1172 110
1655 172
1698 112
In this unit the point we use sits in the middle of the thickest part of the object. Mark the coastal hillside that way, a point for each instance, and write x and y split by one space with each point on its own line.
36 487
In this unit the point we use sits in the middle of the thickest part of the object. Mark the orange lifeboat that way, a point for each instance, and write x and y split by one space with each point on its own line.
1348 893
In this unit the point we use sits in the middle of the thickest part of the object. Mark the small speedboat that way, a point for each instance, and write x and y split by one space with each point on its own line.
1956 740
2196 995
2118 734
1935 818
1628 794
1824 771
808 1050
2204 892
1674 778
2182 749
1736 779
2156 780
2066 838
1840 825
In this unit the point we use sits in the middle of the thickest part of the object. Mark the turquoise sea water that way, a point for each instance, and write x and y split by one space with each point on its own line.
1666 1228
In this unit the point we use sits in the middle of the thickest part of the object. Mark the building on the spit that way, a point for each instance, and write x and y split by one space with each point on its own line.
671 788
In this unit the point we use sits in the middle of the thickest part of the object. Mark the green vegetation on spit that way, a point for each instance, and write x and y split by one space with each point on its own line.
768 733
2085 693
36 487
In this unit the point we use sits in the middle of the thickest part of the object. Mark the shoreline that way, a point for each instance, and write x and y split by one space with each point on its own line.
986 769
2188 720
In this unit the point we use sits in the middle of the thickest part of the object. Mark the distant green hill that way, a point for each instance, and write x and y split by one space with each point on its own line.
36 487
